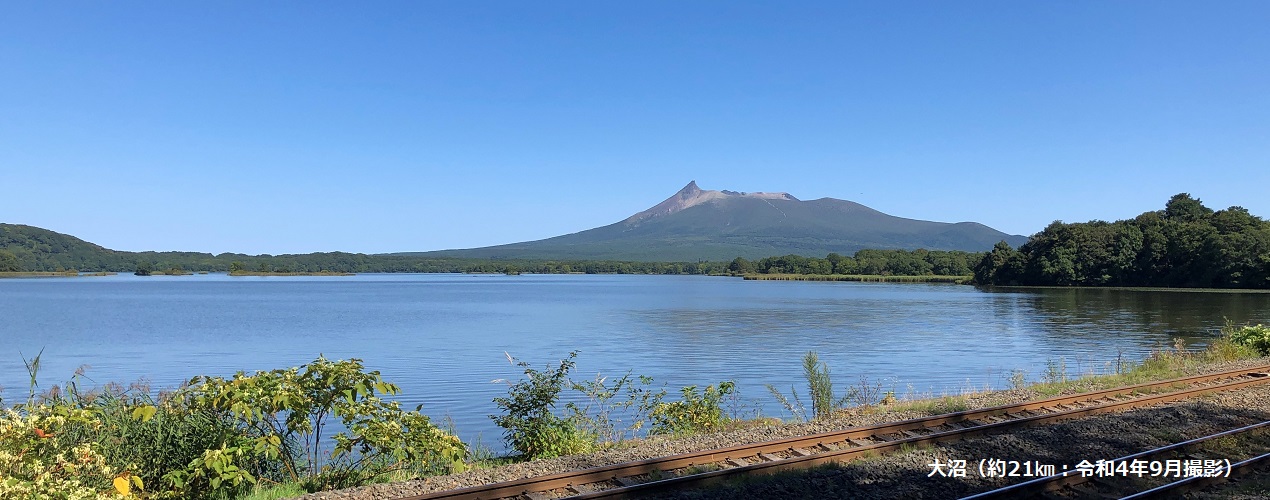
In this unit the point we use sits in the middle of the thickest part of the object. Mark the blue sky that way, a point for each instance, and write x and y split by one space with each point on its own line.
285 127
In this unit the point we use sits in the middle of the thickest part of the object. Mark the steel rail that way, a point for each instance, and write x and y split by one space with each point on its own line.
1172 489
806 451
1073 477
854 453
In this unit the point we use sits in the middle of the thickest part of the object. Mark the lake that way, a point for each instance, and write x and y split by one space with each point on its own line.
442 338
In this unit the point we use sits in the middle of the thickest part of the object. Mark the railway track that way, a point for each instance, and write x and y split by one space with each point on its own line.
644 477
1113 480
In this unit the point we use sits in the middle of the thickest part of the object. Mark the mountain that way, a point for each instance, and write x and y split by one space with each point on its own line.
696 224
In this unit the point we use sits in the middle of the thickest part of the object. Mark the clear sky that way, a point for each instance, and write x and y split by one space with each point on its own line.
293 127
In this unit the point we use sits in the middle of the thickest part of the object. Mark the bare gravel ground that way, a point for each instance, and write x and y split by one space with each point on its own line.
901 475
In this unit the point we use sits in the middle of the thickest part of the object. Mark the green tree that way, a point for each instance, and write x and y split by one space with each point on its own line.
1002 266
9 262
1185 208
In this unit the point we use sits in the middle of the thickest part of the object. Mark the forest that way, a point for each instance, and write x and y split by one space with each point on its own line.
32 249
1185 245
865 262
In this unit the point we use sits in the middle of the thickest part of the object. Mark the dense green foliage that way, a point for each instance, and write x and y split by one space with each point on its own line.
866 262
1256 337
153 437
697 410
9 262
217 438
1184 245
286 412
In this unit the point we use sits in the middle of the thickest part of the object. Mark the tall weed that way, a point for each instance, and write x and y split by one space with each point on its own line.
824 402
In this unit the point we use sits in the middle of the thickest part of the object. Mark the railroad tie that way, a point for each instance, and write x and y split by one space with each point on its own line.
800 452
626 481
768 457
736 462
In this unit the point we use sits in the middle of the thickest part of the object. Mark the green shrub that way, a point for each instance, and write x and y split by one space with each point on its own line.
696 412
151 439
1256 337
37 462
528 417
284 414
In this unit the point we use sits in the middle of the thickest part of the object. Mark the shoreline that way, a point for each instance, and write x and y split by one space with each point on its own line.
53 274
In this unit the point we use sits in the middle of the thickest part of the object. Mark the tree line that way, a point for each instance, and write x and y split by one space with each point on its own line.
1184 245
866 262
27 248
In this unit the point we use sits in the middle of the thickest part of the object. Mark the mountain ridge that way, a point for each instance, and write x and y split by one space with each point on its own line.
692 225
695 224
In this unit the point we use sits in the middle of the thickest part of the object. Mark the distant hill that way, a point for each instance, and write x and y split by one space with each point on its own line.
695 224
33 249
39 249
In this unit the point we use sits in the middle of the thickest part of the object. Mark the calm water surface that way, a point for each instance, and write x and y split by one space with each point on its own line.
442 338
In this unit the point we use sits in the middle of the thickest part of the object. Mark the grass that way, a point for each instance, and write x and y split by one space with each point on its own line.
859 277
273 492
1163 363
935 406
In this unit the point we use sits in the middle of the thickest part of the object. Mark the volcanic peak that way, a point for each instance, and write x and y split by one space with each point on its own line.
691 196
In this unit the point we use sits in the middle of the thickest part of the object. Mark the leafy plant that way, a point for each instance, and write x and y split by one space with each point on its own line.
146 437
531 425
696 412
285 413
35 462
1256 337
